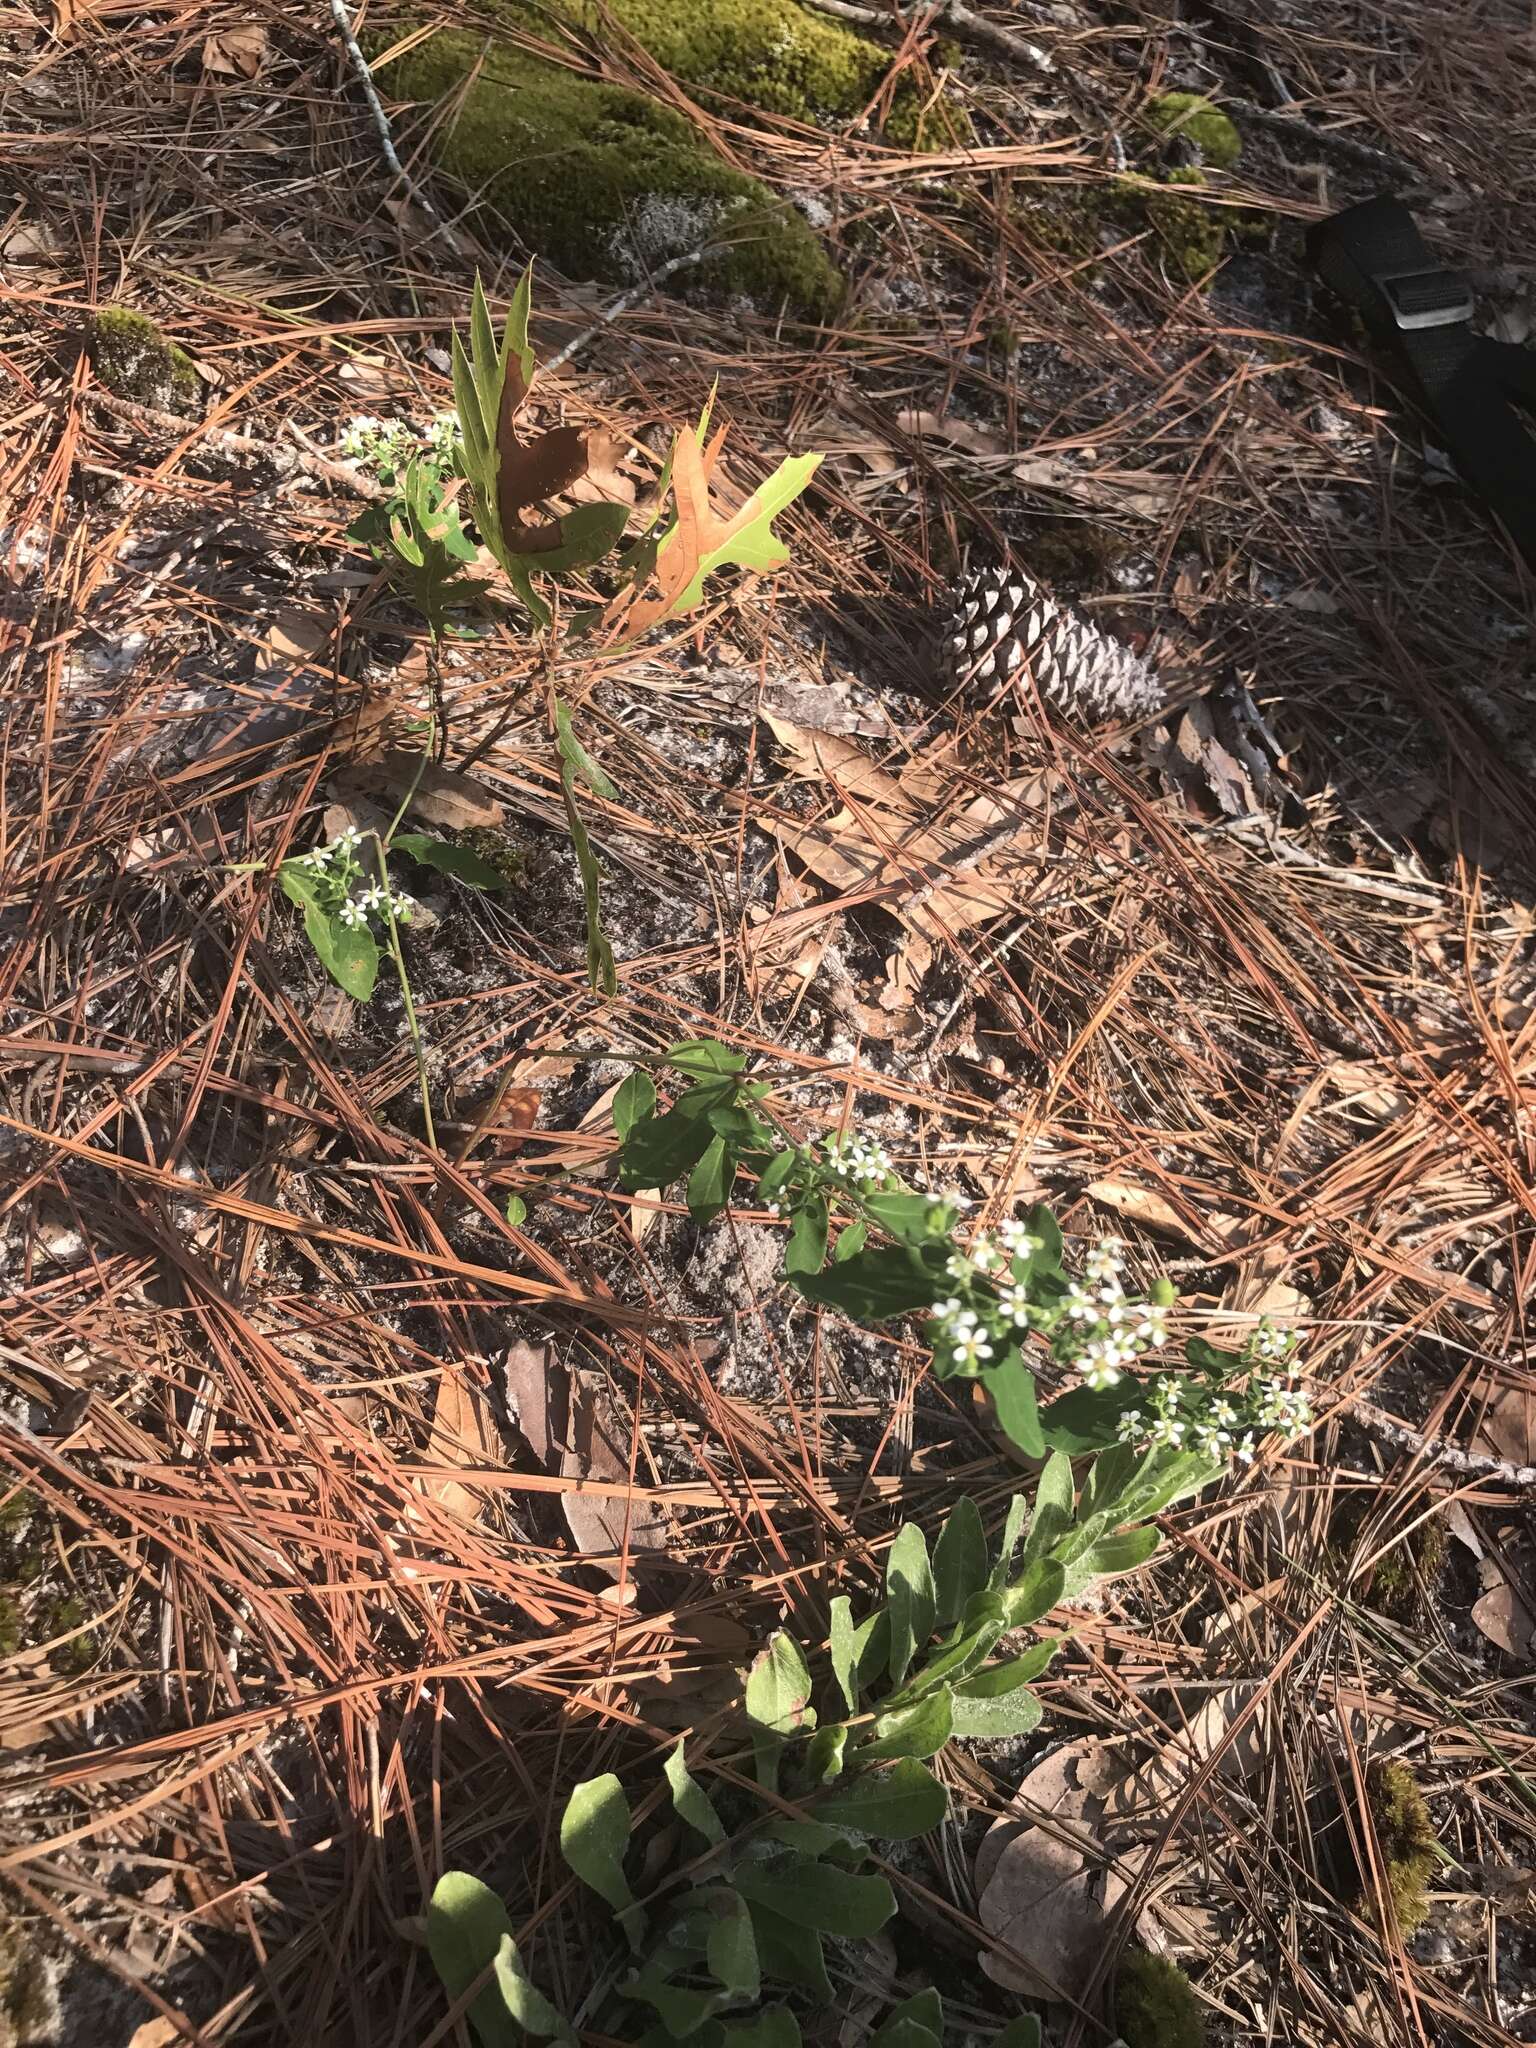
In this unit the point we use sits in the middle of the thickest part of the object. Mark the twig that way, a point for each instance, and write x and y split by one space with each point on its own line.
1435 1450
953 14
629 298
240 446
390 154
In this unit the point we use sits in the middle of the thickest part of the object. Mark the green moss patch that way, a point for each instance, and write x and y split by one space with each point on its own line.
1156 2005
605 182
1193 120
135 360
777 56
1405 1841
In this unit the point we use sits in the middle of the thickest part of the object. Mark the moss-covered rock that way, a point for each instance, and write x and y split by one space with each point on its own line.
1156 2005
1404 1577
774 55
135 360
1406 1843
1191 118
1194 237
605 182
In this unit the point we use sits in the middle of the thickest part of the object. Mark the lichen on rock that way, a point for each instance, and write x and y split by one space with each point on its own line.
136 361
603 181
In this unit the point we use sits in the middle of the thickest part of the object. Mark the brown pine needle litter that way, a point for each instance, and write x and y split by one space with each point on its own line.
293 1613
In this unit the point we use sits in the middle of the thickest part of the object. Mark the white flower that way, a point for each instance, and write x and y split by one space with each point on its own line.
1269 1342
1152 1330
319 858
1080 1305
347 839
774 1208
1105 1262
959 1202
1167 1429
985 1255
958 1267
1016 1238
372 899
1099 1364
970 1347
1013 1300
947 1309
1167 1390
1212 1440
1131 1427
403 906
1223 1414
1244 1451
353 914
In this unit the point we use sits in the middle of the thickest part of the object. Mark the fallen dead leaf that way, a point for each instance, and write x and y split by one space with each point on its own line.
1506 1611
571 1431
932 426
236 52
293 639
462 1434
158 2032
437 796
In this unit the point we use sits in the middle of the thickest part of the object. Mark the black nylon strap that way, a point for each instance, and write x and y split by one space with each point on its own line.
1375 259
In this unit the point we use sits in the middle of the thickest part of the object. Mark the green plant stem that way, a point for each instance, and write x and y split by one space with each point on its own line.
381 847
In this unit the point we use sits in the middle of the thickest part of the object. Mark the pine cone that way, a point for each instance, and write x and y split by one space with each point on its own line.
1004 622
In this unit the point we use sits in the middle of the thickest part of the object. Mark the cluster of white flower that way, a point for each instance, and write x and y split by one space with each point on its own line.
1113 1328
384 444
377 902
860 1162
339 863
1184 1414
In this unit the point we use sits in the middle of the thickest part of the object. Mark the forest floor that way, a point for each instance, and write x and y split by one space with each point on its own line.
1283 1042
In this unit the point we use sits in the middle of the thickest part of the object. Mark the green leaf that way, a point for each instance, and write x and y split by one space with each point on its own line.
524 2000
348 953
959 1561
457 861
1054 1506
1085 1419
895 1805
1015 1713
1012 1387
1042 1224
774 1175
818 1895
774 2027
984 1621
807 1245
1039 1587
740 1129
850 1243
778 1705
921 1729
731 1954
634 1103
709 1184
704 1057
790 1954
594 1832
1111 1555
587 534
909 1597
824 1757
1220 1364
682 2011
872 1646
1105 1486
902 1216
844 1651
690 1801
466 1925
1020 2033
917 2023
1002 1570
754 545
889 1281
663 1148
602 971
303 885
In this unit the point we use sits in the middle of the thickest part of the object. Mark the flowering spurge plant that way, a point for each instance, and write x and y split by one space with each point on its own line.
736 1913
347 908
986 1300
415 528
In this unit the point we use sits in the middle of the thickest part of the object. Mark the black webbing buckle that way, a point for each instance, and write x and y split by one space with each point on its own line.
1480 395
1425 298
